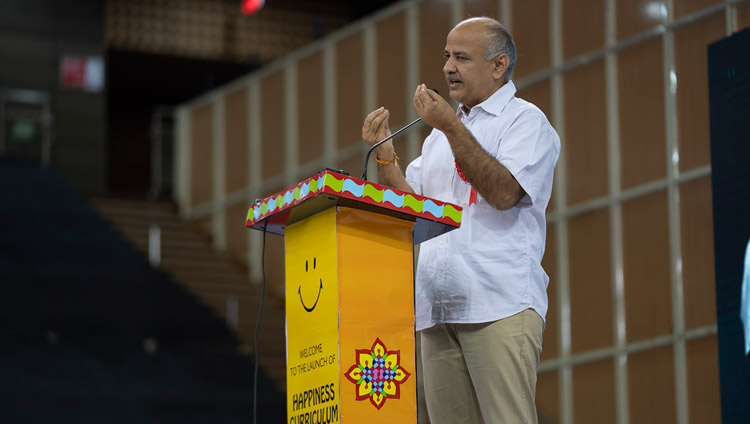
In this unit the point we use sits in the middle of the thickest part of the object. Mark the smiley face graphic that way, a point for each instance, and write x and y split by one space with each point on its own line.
320 287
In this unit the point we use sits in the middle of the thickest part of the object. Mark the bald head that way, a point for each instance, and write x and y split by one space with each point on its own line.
495 39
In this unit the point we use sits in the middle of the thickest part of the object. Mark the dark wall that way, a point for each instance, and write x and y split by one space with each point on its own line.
137 84
34 35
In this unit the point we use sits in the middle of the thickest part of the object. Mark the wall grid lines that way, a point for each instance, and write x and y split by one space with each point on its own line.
623 345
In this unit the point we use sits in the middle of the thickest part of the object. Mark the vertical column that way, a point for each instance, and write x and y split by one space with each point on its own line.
255 241
673 208
558 118
412 75
369 59
219 178
291 124
731 16
506 14
370 78
615 214
329 104
181 159
457 11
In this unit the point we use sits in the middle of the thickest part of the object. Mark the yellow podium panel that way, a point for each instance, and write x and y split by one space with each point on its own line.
312 320
350 318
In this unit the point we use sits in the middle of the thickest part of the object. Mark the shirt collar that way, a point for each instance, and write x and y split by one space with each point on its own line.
496 102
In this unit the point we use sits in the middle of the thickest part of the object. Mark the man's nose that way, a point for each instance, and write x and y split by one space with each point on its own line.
450 66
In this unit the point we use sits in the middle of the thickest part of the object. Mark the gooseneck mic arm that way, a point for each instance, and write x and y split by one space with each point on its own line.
374 146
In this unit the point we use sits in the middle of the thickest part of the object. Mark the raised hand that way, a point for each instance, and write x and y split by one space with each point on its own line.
433 109
375 127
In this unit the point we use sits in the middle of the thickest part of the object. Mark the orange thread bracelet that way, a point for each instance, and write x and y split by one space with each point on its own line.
387 162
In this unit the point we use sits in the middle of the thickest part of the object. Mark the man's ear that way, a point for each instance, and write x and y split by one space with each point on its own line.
500 65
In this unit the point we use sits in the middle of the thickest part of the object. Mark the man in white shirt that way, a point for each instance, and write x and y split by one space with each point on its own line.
480 290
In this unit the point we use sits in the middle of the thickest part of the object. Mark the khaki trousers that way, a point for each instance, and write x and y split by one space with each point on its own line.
483 373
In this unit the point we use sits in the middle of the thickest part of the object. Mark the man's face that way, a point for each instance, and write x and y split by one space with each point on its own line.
471 79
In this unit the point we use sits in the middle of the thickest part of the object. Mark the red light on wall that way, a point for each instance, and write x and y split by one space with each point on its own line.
251 6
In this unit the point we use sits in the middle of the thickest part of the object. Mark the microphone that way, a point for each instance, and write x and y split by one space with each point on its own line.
374 146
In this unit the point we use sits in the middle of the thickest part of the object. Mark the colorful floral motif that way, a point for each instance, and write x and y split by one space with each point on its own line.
378 374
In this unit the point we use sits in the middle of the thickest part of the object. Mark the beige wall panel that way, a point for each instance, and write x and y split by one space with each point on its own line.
474 8
594 393
236 232
354 164
349 90
236 140
641 94
205 224
549 263
743 15
703 380
651 386
547 398
586 133
273 146
539 94
201 155
686 7
645 233
590 286
696 220
531 33
391 69
434 25
583 27
637 16
691 67
310 108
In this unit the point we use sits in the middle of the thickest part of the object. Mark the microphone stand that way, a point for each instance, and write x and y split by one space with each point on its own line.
367 158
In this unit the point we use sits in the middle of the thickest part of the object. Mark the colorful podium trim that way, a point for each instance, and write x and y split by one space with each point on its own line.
356 189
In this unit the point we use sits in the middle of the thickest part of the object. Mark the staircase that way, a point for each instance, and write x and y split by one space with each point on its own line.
222 284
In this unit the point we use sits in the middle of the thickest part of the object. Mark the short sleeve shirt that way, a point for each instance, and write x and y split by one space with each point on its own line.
490 268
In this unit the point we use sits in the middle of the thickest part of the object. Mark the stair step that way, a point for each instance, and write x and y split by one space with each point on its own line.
120 205
213 277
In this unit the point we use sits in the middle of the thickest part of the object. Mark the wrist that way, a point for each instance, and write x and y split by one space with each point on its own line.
385 151
453 127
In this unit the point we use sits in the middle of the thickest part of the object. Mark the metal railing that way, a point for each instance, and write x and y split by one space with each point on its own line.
162 142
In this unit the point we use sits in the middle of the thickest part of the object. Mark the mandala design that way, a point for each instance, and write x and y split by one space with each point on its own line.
377 374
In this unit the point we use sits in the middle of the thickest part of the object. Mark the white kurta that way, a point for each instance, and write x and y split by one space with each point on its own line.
490 268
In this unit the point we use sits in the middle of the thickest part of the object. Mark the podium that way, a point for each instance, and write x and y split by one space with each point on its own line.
349 294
